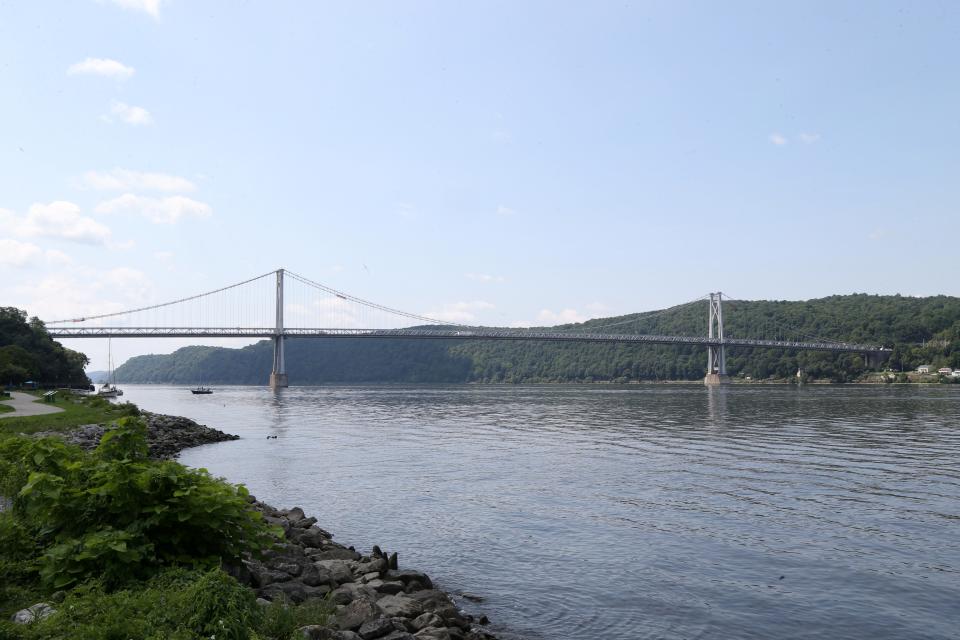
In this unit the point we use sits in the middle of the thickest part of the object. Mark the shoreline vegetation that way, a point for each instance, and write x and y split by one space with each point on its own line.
103 536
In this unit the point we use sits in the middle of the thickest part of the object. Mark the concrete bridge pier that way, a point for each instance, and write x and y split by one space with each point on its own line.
278 375
716 355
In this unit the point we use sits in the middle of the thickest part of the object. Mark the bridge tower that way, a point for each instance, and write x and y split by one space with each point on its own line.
278 375
716 355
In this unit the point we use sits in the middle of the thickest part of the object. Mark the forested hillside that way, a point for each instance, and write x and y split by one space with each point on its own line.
28 353
920 331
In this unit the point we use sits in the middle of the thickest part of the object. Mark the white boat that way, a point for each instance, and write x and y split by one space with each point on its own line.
109 391
109 388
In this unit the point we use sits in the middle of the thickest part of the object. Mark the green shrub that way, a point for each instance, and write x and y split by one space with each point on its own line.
117 515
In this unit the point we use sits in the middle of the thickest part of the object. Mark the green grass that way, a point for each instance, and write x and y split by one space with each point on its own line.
5 408
76 411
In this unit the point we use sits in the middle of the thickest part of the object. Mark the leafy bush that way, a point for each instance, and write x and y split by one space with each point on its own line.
117 515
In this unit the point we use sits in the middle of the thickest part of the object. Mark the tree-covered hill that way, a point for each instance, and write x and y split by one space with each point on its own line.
28 353
920 331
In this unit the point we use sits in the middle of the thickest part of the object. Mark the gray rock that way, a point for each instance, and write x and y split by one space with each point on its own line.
294 514
336 553
305 523
33 613
316 632
408 576
315 576
398 635
339 569
378 565
400 605
312 537
376 628
290 568
427 620
472 597
356 613
289 591
263 602
436 633
387 587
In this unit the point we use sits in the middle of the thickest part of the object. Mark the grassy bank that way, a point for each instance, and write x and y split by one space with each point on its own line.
122 546
77 410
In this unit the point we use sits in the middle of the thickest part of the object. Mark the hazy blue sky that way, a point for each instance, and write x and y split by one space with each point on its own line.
512 161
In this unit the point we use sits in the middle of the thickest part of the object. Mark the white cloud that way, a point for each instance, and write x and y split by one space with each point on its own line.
83 292
549 318
483 277
505 211
58 219
809 138
101 67
127 180
129 114
163 256
158 210
778 139
460 312
14 253
546 317
151 7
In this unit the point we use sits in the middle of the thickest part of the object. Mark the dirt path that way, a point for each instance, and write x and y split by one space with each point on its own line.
26 405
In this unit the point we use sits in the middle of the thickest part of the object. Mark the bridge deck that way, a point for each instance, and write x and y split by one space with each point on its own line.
448 334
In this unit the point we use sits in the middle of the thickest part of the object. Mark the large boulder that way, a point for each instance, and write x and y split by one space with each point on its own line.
339 569
400 605
33 613
353 615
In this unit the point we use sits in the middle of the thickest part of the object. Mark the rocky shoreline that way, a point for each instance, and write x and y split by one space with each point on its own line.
167 436
374 598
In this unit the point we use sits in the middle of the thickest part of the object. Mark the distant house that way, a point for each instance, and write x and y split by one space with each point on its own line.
924 368
945 371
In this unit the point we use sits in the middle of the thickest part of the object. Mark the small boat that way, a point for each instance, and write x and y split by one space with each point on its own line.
201 390
109 388
109 391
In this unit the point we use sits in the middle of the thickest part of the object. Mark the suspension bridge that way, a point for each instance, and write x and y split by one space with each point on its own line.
282 304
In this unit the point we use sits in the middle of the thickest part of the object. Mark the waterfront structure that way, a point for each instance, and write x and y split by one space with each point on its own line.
340 315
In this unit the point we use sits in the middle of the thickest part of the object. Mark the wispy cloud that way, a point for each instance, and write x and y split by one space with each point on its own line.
483 277
59 219
778 139
129 114
504 210
158 210
808 138
460 312
127 180
101 67
151 7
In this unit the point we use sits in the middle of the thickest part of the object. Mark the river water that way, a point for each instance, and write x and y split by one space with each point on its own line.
603 512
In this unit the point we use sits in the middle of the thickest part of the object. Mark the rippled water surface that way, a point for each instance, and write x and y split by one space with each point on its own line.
613 512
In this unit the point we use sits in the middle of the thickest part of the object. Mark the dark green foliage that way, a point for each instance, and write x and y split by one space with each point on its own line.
281 620
117 515
176 604
28 353
920 331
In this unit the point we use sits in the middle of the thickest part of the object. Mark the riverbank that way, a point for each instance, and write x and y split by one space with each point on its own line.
369 596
